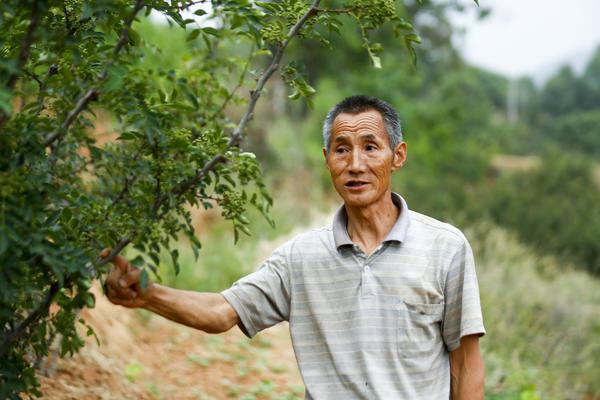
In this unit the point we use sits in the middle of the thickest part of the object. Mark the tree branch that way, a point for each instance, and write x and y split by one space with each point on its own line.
239 83
38 312
255 94
236 136
113 253
93 93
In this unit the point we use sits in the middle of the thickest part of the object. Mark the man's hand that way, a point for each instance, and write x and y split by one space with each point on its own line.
209 312
123 283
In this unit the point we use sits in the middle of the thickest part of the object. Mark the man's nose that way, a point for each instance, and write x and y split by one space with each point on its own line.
357 163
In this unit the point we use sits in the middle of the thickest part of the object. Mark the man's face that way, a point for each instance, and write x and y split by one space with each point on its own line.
360 158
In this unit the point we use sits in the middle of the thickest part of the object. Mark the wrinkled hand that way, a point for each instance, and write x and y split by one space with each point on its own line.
123 283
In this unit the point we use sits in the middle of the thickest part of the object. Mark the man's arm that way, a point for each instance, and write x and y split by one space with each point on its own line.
209 312
467 370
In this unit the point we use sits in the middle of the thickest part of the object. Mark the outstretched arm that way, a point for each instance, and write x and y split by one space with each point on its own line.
467 370
209 312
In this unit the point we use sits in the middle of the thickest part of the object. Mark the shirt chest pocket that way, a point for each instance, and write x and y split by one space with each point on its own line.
419 329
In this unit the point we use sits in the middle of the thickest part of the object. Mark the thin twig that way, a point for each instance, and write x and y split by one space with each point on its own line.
240 83
53 70
74 113
25 45
335 10
34 77
157 174
129 180
66 14
113 253
93 93
38 312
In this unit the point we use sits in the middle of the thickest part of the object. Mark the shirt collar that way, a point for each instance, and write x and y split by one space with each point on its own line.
397 233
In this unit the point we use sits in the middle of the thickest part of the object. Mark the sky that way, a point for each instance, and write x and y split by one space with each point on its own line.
530 37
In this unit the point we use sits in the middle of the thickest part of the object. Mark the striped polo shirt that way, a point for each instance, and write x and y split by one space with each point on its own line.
376 326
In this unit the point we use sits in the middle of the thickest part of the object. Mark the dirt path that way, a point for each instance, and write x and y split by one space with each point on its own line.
143 356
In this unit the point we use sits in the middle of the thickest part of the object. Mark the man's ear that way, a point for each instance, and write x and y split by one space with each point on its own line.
325 156
399 156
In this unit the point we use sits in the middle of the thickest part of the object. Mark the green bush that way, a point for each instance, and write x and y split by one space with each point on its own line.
554 208
575 132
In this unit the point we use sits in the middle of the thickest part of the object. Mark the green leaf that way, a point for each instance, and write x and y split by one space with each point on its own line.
211 31
90 300
193 35
268 5
375 60
144 279
175 259
244 229
295 95
138 261
413 37
126 136
406 26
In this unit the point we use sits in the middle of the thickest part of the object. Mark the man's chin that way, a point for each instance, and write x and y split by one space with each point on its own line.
357 200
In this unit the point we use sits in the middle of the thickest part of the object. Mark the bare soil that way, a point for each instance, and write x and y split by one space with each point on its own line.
144 356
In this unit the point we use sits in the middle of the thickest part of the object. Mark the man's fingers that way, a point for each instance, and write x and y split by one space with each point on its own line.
130 278
104 253
121 295
123 280
119 261
122 263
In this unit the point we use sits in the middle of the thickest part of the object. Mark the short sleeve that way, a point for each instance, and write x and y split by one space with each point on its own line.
262 298
462 314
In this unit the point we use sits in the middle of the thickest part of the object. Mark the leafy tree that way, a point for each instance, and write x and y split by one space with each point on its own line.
560 94
64 196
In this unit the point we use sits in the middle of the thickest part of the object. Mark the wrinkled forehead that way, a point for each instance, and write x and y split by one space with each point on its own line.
365 121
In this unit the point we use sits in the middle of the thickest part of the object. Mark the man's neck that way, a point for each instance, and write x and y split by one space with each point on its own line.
368 227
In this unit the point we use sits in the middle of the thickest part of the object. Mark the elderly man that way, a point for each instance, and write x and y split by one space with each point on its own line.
383 303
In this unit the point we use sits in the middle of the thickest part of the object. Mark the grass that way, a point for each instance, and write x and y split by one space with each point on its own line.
542 318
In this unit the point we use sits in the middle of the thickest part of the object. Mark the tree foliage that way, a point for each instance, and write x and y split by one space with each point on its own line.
64 195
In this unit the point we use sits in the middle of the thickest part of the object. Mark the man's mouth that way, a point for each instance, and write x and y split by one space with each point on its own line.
355 184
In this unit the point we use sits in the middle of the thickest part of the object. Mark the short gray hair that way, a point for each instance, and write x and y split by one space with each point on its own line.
360 103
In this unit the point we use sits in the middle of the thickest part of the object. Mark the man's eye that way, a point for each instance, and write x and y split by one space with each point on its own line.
340 150
371 147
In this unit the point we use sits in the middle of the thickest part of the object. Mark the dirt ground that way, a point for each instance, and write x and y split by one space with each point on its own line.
143 356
